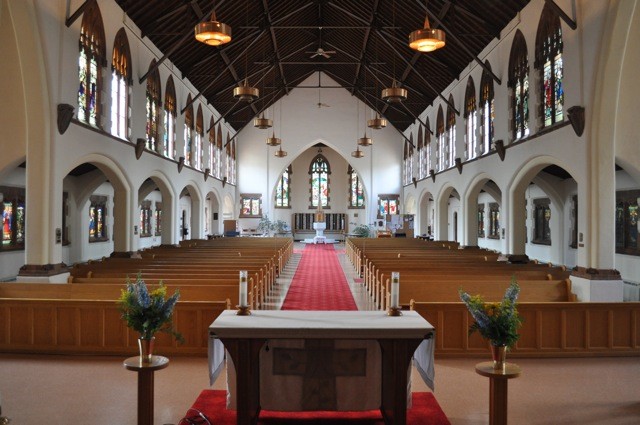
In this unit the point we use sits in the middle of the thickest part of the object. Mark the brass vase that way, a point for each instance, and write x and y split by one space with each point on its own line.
499 356
145 345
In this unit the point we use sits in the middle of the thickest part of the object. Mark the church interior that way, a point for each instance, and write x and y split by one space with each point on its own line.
461 143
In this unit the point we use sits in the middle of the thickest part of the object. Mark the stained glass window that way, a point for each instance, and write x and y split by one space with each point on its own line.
250 205
488 111
451 134
12 209
549 63
188 133
97 219
319 171
427 149
198 150
481 220
153 102
120 82
219 152
471 115
541 221
229 160
388 204
92 58
494 221
420 155
145 219
408 160
158 218
283 189
170 120
440 140
356 189
519 84
627 211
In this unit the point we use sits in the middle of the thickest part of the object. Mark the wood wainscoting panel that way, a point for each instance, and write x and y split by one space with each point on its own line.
68 326
4 324
599 328
622 329
21 322
115 330
186 322
453 336
575 329
91 326
550 332
44 325
529 337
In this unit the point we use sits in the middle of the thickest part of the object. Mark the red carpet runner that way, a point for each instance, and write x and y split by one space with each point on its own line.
319 282
425 411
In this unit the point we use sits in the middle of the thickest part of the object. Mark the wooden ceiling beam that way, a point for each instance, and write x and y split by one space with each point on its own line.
274 42
365 43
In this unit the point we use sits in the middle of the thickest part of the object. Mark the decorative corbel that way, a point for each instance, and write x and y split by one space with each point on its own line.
180 164
224 181
433 175
499 144
459 165
577 119
206 173
139 147
415 182
65 114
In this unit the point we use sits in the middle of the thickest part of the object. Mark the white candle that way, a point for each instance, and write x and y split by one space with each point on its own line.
243 288
395 289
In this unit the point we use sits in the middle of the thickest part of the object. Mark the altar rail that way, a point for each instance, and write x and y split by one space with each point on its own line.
548 330
46 326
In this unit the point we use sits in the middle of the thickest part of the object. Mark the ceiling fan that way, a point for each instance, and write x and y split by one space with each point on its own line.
320 51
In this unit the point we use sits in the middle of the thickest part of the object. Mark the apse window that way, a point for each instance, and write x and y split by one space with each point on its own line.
250 205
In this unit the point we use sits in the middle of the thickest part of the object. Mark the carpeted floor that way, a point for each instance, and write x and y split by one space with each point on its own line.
319 282
211 403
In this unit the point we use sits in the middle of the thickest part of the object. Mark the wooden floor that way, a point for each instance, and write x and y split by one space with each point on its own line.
63 390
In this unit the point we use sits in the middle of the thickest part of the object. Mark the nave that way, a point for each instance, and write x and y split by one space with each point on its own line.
39 389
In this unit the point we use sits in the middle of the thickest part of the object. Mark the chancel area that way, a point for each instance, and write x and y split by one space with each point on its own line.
320 146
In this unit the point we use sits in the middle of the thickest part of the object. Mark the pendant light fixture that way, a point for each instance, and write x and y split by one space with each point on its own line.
364 140
262 123
377 123
357 153
245 92
427 39
280 153
394 94
213 33
273 140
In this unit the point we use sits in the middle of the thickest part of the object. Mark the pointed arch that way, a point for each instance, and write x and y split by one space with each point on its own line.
212 147
283 189
440 139
188 132
426 151
319 170
549 65
170 119
451 133
219 152
471 115
198 151
153 102
519 87
121 81
356 190
92 60
487 111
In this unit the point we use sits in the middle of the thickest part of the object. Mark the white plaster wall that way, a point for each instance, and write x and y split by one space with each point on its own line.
486 242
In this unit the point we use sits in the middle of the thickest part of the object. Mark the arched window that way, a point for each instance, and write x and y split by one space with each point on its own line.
283 190
356 190
319 170
471 115
440 139
120 82
219 152
91 61
408 160
197 146
427 149
13 212
550 65
170 120
153 103
212 147
488 111
451 133
233 162
420 153
229 159
188 132
519 85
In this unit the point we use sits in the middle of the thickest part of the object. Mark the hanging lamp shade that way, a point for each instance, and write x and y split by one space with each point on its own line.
427 39
280 153
394 94
365 141
377 123
262 123
357 153
213 33
273 140
245 92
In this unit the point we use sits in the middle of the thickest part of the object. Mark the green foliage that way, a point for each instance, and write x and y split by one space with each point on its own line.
363 230
497 322
148 312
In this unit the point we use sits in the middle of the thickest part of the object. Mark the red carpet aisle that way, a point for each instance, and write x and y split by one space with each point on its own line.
425 411
319 282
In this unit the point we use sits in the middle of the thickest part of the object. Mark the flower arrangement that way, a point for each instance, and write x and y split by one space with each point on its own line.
148 312
497 322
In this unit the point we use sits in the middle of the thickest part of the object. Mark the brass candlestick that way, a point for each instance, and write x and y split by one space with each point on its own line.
243 310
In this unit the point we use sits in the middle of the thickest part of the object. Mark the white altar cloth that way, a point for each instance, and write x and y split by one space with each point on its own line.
350 330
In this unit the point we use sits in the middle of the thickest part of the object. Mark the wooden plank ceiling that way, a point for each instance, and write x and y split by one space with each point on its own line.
273 41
